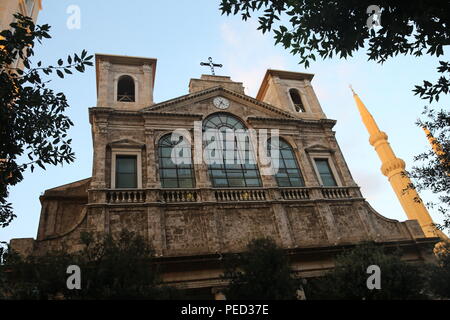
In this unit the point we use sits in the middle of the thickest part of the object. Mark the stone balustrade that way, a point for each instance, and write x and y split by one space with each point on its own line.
294 193
336 193
178 195
225 195
125 196
132 196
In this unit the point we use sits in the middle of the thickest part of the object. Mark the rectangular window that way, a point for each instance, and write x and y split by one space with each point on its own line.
126 171
323 167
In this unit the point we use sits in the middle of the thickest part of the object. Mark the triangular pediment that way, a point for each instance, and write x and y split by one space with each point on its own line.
126 143
318 148
194 103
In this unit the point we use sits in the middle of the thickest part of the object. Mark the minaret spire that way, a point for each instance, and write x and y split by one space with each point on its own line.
437 148
394 169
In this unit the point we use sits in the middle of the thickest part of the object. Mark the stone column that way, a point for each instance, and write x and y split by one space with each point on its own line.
156 229
202 180
103 84
263 161
151 157
341 165
329 223
312 100
146 93
100 140
370 231
282 221
308 172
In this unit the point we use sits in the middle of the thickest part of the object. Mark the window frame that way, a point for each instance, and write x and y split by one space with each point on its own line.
126 152
302 100
116 88
176 167
333 169
297 163
226 168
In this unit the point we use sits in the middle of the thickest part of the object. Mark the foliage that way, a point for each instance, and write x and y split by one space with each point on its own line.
432 169
111 268
339 28
260 273
348 280
33 126
439 275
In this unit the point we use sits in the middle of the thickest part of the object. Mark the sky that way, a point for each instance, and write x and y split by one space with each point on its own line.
181 34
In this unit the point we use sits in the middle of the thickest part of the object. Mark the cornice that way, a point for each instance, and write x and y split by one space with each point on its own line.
194 95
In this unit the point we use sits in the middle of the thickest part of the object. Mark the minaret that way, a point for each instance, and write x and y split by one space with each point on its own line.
394 169
437 148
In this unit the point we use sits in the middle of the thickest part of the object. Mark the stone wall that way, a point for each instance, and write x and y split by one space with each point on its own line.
196 228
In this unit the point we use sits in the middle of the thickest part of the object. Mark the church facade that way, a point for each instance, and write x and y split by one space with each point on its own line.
195 211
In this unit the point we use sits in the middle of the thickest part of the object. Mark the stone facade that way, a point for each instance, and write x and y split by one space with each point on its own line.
26 7
190 228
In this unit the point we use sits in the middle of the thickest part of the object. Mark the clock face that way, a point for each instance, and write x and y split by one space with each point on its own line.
221 103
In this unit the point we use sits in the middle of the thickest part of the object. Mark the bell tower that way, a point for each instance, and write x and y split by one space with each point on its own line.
291 92
124 82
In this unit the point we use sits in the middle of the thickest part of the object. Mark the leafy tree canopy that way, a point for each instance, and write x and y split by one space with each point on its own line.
262 272
432 168
439 275
348 280
33 126
111 268
339 28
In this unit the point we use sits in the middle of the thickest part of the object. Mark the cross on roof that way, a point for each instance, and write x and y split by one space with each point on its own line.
211 65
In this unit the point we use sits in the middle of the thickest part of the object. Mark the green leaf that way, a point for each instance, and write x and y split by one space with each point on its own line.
39 163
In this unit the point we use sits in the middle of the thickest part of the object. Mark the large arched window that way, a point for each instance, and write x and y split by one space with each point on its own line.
173 175
288 174
125 89
231 162
297 100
